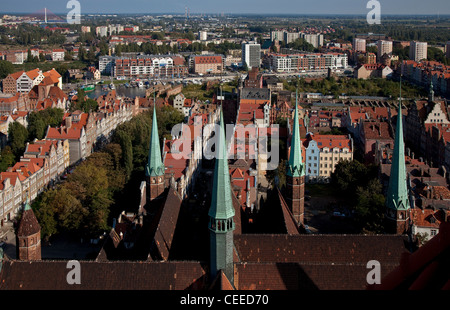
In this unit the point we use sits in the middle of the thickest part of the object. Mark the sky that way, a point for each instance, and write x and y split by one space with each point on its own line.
429 7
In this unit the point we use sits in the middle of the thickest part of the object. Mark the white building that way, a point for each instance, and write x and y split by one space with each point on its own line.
203 35
251 54
101 31
307 62
315 40
359 45
384 47
58 55
418 51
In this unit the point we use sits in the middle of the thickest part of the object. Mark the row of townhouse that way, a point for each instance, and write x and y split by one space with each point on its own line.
45 160
323 152
41 164
428 72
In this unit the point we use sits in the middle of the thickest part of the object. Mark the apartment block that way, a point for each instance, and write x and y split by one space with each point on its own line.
359 45
418 51
251 55
384 47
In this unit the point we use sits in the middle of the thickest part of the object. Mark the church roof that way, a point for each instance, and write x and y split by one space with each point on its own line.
28 223
113 275
427 268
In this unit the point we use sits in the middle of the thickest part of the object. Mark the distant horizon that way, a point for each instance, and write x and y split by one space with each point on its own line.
236 7
234 14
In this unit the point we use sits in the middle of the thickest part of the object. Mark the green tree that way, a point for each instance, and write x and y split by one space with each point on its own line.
6 68
7 159
370 206
18 136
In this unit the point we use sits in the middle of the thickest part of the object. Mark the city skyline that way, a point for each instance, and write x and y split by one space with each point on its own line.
288 7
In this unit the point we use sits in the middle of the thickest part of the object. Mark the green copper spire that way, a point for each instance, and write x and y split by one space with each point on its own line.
397 195
27 205
154 167
221 203
295 166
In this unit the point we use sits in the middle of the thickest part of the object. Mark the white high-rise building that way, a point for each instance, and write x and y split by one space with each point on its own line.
384 47
203 35
251 55
315 40
418 50
359 45
102 31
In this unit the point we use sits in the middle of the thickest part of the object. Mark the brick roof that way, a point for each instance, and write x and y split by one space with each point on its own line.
28 224
300 276
377 130
114 275
324 249
427 268
167 223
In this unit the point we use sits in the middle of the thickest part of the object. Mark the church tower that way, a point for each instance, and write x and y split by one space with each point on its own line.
28 236
154 171
431 93
295 176
397 198
221 212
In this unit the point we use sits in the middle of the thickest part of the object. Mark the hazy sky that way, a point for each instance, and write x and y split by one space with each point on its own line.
233 6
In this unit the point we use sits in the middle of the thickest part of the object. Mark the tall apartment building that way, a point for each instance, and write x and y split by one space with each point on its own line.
251 54
418 50
277 35
359 45
203 35
289 37
384 47
315 40
101 31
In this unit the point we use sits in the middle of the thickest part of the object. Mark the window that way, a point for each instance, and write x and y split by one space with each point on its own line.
433 232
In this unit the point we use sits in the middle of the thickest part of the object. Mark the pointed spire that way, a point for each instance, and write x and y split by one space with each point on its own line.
397 195
155 167
27 206
221 202
295 165
431 92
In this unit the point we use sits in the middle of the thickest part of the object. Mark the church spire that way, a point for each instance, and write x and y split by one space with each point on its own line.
295 165
221 203
431 92
221 212
397 199
155 167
